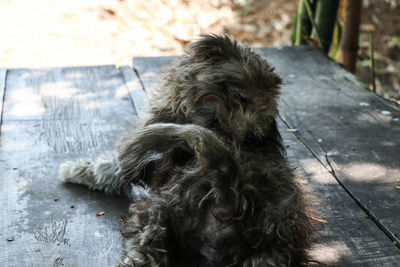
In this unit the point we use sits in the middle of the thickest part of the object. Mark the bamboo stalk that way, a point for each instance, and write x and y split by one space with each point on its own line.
325 17
303 24
335 48
350 34
315 27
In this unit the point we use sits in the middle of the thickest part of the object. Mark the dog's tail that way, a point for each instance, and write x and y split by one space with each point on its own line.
153 142
98 173
144 149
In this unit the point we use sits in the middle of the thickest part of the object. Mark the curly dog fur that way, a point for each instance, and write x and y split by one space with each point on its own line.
207 170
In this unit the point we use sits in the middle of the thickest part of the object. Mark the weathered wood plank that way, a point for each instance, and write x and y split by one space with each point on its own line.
353 131
135 89
348 238
151 69
81 92
94 108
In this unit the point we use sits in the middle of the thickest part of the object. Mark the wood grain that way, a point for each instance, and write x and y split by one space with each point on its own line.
348 238
65 93
86 111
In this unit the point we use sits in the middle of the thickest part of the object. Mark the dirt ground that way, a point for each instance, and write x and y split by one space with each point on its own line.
86 32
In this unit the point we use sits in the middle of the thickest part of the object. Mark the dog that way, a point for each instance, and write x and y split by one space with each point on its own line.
206 170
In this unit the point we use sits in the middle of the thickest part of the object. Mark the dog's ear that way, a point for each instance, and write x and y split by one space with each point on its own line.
213 47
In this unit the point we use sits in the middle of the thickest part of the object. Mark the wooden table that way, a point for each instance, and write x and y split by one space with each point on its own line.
343 139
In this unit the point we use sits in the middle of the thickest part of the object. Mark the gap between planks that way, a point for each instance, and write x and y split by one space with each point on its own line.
3 75
136 89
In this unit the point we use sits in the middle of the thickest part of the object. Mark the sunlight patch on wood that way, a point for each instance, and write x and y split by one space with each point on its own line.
28 104
121 92
364 171
314 168
329 253
64 89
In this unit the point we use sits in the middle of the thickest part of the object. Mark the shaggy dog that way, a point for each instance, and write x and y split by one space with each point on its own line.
207 170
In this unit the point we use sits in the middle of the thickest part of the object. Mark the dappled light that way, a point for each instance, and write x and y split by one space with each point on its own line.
64 90
314 168
365 172
331 253
376 117
40 96
29 103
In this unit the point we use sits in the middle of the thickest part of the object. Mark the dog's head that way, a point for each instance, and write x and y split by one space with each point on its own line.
225 86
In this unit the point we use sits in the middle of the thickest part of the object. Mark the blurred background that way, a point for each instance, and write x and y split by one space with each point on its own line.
44 33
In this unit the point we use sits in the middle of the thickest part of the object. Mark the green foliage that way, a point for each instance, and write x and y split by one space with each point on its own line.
337 35
294 31
317 18
302 23
325 18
